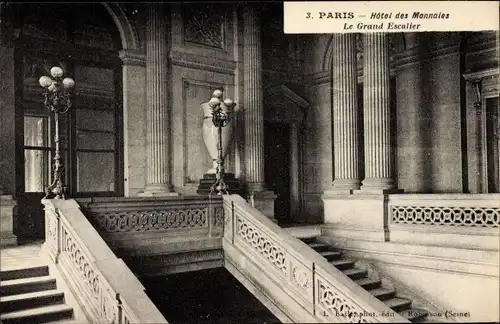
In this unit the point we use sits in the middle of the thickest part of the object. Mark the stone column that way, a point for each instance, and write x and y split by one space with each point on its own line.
345 113
157 115
254 113
376 101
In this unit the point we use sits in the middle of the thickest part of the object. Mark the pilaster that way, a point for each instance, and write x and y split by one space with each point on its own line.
134 120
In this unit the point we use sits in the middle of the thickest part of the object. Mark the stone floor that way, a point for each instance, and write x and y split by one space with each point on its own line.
208 296
20 256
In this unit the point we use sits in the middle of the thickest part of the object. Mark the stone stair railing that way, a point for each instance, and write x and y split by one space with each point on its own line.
104 286
288 276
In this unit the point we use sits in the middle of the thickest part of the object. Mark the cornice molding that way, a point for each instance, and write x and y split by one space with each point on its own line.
318 77
472 76
412 56
133 57
288 94
323 77
480 47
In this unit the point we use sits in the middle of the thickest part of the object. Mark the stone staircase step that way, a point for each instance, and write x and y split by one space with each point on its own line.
308 240
11 274
398 304
368 283
382 293
374 286
342 264
355 273
27 285
330 255
29 300
38 315
414 314
318 247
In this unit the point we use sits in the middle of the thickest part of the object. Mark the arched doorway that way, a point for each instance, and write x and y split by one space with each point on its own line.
84 40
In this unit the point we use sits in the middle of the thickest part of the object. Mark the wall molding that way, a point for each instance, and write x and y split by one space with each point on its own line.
412 56
199 62
472 76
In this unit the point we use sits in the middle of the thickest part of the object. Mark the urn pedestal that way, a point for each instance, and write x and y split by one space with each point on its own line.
233 184
211 138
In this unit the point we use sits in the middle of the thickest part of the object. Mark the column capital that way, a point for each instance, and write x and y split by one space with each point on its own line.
133 57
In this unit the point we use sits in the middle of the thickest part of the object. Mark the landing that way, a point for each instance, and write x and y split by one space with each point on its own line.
23 256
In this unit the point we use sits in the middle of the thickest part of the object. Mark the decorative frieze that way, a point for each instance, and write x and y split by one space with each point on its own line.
204 24
199 62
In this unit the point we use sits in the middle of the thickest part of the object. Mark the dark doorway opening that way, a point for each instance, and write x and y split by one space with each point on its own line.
277 167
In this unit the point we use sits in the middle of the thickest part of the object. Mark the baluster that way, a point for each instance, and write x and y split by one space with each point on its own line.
233 223
210 219
58 237
120 308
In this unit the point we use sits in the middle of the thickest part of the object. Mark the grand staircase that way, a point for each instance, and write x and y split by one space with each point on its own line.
387 295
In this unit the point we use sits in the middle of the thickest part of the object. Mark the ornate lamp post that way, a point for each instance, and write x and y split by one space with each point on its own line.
57 95
221 116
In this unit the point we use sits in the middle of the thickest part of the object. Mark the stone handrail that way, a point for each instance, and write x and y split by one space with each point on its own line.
445 210
104 286
324 292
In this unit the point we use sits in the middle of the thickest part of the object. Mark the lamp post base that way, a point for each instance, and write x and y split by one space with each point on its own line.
232 184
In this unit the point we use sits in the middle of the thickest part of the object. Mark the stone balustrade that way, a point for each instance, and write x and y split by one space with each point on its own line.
288 276
454 220
104 286
121 215
160 235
